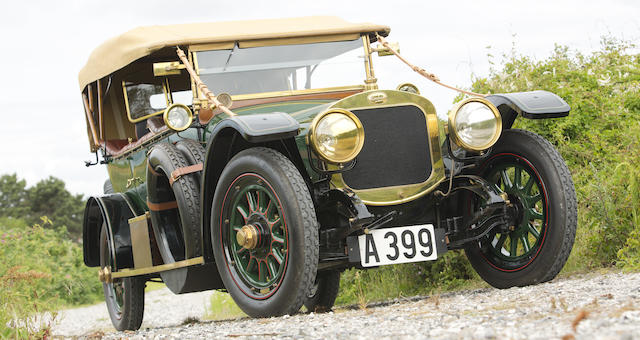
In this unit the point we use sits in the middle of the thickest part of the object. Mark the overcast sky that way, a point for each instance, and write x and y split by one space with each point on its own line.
44 44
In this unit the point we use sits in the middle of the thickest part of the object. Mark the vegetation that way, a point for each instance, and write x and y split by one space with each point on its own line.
41 270
47 198
600 140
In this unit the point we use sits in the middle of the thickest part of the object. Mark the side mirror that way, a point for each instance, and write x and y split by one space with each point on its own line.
384 51
167 68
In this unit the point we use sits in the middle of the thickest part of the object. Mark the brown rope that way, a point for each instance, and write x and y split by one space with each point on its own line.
203 88
424 73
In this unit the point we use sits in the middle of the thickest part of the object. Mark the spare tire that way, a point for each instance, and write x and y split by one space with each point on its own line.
194 152
174 207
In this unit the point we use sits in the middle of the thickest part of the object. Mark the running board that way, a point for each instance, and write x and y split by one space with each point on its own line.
105 274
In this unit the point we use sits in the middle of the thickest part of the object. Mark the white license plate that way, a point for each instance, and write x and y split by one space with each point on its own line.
398 245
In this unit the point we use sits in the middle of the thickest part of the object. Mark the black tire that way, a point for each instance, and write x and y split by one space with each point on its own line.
177 230
290 234
125 296
324 292
544 231
194 152
107 187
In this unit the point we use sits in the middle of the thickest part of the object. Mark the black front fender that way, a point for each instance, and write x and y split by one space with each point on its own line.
531 105
259 128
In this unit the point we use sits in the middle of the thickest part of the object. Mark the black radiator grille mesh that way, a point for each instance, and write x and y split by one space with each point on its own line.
396 149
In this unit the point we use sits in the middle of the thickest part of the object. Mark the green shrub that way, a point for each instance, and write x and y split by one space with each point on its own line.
41 270
363 286
600 139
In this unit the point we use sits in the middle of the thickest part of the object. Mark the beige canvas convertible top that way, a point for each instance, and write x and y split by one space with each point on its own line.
119 51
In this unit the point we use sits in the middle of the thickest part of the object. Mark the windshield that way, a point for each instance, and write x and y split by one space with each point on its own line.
282 68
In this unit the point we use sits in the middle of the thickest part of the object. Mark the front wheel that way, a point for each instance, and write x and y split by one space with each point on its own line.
538 183
264 233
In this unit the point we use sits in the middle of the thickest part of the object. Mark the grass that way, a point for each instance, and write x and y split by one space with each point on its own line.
223 308
151 286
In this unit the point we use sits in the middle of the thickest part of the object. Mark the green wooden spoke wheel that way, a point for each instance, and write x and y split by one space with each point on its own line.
538 241
514 176
264 233
257 235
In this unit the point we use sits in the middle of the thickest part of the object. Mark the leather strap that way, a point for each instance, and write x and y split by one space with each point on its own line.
162 206
179 172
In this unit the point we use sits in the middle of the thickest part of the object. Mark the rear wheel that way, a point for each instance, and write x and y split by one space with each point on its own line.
124 296
538 183
324 292
264 233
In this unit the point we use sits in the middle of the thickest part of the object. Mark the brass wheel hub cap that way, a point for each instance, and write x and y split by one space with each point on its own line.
247 237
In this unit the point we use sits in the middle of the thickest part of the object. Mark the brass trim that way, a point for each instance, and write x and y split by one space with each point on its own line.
126 104
247 236
288 93
139 218
140 241
402 193
399 88
314 142
156 269
167 68
297 40
452 124
165 116
371 81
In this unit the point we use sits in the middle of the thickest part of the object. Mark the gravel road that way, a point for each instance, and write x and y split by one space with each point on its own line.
593 306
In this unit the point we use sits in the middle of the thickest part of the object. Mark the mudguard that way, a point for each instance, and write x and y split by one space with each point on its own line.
260 127
531 105
113 211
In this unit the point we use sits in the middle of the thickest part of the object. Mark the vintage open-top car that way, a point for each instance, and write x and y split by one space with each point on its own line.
261 158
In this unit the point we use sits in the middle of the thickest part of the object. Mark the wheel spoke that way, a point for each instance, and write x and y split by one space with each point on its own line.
525 242
261 272
517 178
528 185
277 238
501 240
257 196
261 201
275 223
535 214
245 215
535 198
505 179
251 201
534 231
513 246
277 255
249 264
273 268
266 209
